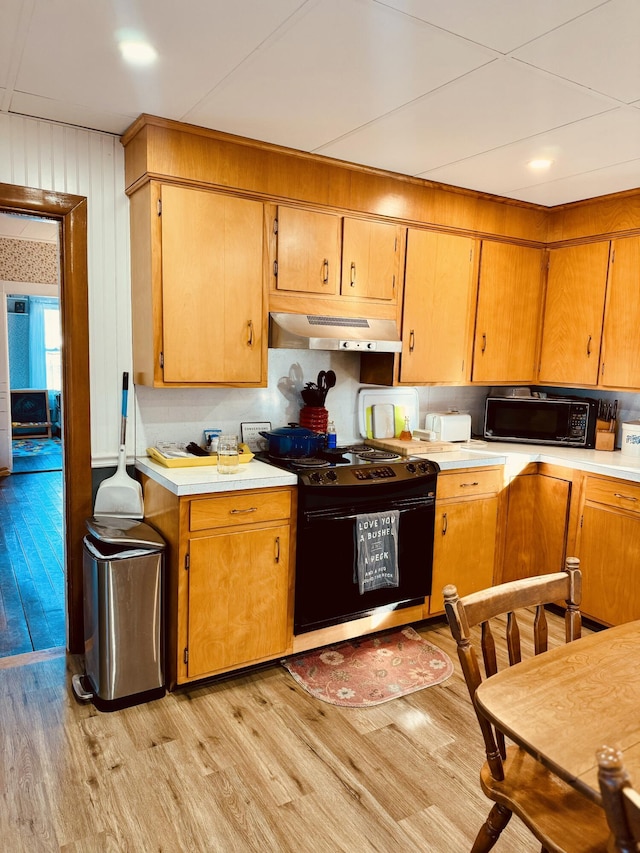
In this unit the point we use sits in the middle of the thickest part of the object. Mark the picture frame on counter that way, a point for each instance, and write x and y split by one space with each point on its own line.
250 434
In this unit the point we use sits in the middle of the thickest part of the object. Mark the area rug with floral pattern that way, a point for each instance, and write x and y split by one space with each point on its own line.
370 670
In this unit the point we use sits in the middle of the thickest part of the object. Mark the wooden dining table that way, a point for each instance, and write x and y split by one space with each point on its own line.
560 706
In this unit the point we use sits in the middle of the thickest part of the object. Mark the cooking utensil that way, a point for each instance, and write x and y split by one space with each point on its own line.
120 496
293 441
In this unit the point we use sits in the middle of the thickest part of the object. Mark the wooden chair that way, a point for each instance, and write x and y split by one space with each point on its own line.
559 817
621 802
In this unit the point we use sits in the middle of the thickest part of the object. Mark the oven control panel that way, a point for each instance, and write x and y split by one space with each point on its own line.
363 475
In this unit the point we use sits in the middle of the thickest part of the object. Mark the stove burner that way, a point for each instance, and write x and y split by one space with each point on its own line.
309 462
370 455
358 448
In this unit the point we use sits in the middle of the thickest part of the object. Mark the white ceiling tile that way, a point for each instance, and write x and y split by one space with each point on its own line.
491 107
336 65
197 45
10 20
500 24
599 50
415 86
613 179
28 228
68 113
603 140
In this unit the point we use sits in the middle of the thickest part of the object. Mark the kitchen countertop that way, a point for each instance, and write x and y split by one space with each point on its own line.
260 475
609 463
204 480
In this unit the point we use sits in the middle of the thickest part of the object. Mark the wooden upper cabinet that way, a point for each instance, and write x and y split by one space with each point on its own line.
573 314
510 294
198 288
308 251
369 259
328 255
620 360
439 294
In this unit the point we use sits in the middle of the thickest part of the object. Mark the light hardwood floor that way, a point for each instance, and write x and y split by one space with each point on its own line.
253 763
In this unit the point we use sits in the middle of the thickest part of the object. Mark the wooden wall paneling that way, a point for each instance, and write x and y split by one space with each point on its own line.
605 216
202 156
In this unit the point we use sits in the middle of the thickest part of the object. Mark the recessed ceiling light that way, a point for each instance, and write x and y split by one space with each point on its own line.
137 52
540 164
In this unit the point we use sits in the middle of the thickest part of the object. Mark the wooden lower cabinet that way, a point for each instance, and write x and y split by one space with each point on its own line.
537 522
465 532
229 577
237 599
609 550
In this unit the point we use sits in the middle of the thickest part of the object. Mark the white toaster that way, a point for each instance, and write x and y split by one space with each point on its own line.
449 426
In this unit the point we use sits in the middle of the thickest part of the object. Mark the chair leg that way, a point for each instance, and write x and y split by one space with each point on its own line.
499 817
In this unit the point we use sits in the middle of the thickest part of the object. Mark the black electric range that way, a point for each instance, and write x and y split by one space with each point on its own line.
354 465
337 488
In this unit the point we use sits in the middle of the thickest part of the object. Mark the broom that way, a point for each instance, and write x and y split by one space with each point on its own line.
120 496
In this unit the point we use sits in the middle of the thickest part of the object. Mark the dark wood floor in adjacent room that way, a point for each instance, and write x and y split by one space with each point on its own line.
32 614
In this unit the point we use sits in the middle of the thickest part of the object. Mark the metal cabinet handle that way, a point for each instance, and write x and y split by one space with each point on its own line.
325 271
412 341
467 485
445 523
277 549
589 347
242 511
353 274
625 497
250 328
484 344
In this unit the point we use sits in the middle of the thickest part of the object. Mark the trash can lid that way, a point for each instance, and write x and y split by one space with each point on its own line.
123 531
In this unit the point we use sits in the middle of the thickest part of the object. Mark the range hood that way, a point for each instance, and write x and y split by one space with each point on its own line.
311 331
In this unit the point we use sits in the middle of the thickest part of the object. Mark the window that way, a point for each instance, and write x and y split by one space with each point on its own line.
52 348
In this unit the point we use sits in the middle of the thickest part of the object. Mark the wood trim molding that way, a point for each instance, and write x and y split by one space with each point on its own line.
71 212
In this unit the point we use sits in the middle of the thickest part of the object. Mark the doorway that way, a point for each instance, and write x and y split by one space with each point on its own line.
71 213
32 570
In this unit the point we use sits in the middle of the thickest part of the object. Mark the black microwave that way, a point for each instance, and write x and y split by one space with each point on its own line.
567 422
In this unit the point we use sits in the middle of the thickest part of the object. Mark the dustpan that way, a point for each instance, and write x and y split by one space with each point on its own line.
120 496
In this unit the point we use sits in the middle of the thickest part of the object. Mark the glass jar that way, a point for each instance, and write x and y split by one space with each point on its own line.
228 454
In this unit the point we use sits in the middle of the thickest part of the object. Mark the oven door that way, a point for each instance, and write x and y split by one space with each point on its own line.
326 591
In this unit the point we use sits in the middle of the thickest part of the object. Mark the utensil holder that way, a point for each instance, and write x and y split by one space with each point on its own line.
315 418
605 435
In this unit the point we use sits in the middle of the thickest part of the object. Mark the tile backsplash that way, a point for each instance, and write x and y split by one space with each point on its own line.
181 414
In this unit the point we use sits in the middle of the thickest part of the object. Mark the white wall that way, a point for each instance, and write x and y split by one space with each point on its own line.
181 414
50 156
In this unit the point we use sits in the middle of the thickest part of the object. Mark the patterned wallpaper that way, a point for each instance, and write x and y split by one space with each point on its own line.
26 260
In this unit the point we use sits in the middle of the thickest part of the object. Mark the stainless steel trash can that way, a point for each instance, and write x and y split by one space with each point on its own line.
123 606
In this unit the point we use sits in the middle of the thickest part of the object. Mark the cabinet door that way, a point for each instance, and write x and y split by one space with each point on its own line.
620 362
238 598
438 300
464 547
609 551
573 314
369 259
308 251
509 312
212 287
537 521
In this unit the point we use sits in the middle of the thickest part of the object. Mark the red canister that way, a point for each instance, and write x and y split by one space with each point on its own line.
315 418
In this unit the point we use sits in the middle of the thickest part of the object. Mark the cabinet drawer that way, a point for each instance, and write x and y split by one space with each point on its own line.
616 493
462 484
239 509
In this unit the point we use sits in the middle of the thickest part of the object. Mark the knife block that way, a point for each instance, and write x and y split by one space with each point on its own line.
605 435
